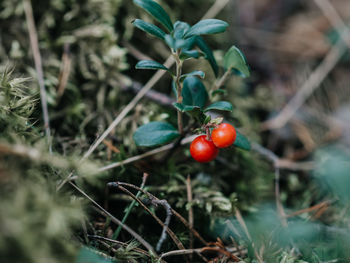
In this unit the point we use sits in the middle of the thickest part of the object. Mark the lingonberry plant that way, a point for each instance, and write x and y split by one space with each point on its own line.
186 42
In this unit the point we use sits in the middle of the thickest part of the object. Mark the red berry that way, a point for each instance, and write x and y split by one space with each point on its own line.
224 135
203 150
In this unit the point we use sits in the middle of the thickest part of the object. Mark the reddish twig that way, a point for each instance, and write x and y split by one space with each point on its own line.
65 71
311 209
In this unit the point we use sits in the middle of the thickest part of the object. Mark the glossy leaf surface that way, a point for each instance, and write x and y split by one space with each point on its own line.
234 59
155 10
242 142
196 73
149 28
202 45
220 105
150 64
155 133
194 92
207 26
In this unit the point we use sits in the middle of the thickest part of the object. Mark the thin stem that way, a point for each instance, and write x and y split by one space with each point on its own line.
222 80
190 210
105 213
121 244
178 89
33 36
176 214
131 206
163 225
207 132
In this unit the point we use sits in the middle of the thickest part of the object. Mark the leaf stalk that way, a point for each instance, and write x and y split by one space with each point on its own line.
179 63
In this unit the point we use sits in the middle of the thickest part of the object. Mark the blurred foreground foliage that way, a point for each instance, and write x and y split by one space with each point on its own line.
40 224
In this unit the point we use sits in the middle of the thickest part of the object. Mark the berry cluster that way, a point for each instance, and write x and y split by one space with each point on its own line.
204 148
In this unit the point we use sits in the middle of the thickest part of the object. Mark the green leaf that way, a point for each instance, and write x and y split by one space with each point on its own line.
155 10
87 255
220 105
199 41
185 108
194 92
150 64
174 43
155 133
186 54
242 142
234 59
207 119
184 44
206 26
149 28
170 41
180 28
218 91
193 111
198 73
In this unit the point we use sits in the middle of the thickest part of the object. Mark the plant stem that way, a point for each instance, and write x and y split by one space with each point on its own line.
131 206
222 80
178 89
34 43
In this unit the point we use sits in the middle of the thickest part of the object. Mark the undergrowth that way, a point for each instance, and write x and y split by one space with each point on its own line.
233 198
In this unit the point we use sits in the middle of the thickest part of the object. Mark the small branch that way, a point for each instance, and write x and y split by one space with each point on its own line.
197 250
65 71
171 233
222 80
181 252
282 163
215 9
295 166
190 210
135 52
312 208
105 213
244 226
34 43
167 208
176 214
144 155
122 244
131 206
110 146
223 252
275 160
320 73
156 96
334 17
309 86
178 90
129 107
278 197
